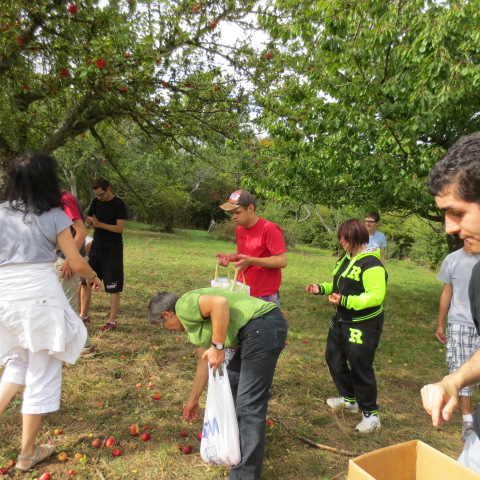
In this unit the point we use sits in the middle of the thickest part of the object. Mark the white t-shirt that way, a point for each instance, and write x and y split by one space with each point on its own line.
30 238
456 270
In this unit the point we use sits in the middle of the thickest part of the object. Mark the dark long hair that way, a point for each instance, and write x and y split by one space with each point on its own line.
353 231
33 184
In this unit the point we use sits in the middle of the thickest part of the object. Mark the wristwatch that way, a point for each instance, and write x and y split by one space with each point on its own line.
218 346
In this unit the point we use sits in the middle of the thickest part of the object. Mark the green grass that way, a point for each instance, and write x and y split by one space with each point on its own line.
100 395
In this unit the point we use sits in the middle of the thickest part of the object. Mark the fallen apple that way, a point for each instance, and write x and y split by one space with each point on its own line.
186 449
145 436
109 442
3 470
199 435
62 456
45 476
116 452
157 396
78 456
57 431
97 443
134 430
70 473
184 433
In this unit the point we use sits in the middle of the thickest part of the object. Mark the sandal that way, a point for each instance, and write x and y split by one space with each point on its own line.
47 449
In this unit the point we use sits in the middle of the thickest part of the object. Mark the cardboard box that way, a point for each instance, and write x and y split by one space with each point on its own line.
413 460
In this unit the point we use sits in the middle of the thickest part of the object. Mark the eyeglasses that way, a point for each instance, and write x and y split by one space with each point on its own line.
99 195
369 221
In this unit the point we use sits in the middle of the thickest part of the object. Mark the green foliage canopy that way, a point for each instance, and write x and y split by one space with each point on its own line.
64 70
369 95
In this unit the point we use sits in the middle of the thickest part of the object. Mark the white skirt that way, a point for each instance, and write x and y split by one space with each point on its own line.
35 314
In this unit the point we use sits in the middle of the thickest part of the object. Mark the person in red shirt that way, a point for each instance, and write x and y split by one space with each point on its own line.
261 250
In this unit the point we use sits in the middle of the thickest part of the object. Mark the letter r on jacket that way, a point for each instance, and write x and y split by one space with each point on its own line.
355 336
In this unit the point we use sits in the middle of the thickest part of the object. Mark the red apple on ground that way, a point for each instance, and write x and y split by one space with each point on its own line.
45 476
186 449
70 473
116 452
62 456
72 8
3 470
157 396
134 430
78 456
110 442
97 443
199 435
184 433
146 436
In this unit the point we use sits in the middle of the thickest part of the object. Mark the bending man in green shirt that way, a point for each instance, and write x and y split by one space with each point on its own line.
217 319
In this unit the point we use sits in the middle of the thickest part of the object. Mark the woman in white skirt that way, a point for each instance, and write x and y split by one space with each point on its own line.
38 329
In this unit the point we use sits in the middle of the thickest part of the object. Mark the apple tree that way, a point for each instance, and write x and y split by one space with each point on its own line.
362 97
68 69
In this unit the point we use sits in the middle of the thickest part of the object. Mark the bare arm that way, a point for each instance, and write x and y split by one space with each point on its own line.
383 258
79 240
76 261
443 307
275 261
190 409
217 309
119 227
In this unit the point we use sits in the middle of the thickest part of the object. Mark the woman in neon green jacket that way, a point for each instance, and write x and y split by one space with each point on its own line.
357 292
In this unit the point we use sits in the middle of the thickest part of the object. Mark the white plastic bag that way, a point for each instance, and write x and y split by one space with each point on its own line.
220 443
470 456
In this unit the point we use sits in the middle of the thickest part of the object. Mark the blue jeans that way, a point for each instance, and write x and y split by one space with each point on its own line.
251 373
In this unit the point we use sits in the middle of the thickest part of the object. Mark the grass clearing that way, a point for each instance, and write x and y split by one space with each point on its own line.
106 393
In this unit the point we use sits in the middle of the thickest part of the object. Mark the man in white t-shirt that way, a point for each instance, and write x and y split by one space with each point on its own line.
462 340
376 238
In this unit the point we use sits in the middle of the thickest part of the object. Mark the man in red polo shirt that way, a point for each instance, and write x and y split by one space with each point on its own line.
261 251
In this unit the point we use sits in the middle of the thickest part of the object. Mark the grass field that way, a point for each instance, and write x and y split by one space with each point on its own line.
106 393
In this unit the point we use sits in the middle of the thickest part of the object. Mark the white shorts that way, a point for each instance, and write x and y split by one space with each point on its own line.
41 374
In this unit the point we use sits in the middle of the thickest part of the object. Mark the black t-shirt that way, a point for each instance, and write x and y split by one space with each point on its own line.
107 212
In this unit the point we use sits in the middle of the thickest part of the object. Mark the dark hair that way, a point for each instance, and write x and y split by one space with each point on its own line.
459 168
100 182
373 215
161 302
353 231
33 185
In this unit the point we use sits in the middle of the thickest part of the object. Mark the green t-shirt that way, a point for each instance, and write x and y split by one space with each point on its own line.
242 309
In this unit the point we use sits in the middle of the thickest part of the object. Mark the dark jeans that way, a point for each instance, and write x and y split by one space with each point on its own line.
251 373
355 343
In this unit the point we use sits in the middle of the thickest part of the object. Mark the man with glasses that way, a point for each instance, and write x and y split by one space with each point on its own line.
376 238
107 215
261 250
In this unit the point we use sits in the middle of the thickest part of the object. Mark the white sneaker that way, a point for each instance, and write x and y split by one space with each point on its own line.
337 403
368 424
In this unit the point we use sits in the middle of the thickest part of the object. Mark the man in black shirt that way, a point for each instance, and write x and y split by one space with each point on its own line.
107 215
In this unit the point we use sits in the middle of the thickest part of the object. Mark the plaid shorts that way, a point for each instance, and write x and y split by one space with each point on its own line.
462 343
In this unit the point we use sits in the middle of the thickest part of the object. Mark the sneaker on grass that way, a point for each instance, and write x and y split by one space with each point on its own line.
338 403
370 422
467 429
